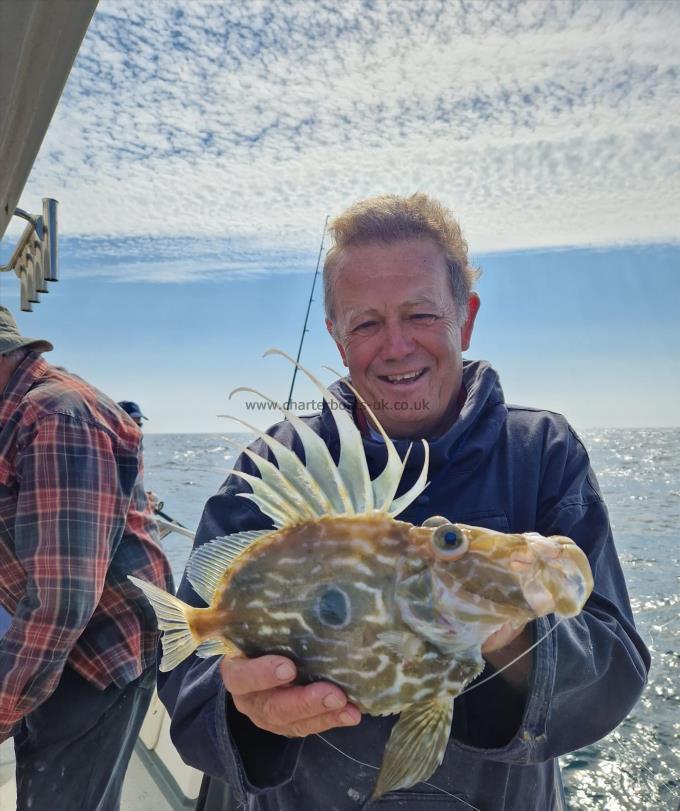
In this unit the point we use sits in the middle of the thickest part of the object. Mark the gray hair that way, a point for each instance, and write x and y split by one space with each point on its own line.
390 218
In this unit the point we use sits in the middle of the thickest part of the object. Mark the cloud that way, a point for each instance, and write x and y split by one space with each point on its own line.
540 124
176 259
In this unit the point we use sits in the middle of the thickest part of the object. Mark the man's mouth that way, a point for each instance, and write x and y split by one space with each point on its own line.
403 378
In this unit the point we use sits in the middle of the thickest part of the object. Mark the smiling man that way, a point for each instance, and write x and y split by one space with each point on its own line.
392 311
401 308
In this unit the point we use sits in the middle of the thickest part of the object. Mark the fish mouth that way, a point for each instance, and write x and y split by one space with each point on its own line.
407 378
555 575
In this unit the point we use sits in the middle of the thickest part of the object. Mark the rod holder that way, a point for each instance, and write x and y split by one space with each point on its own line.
34 260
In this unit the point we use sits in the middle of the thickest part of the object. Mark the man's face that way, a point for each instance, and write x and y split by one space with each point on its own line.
398 332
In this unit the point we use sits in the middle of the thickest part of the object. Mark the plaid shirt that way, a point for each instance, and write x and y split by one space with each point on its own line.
74 522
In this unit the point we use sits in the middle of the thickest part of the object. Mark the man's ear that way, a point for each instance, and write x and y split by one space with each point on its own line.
466 330
341 349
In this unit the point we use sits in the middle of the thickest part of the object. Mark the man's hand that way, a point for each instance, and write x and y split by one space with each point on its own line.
503 646
261 689
503 636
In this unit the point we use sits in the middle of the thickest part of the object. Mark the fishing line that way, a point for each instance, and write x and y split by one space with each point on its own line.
377 769
512 662
472 687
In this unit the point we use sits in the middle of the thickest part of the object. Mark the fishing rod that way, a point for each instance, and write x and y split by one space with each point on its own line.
168 524
309 306
172 526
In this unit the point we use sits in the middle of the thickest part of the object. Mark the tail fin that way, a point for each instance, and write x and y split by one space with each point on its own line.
178 641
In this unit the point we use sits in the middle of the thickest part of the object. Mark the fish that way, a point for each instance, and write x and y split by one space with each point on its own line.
393 613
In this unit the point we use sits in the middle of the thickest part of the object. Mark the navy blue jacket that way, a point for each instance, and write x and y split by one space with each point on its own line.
499 466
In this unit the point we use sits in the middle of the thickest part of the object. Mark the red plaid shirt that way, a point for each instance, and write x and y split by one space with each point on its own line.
74 523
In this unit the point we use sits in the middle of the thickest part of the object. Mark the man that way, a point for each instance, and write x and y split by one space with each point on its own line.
77 660
133 410
155 505
400 306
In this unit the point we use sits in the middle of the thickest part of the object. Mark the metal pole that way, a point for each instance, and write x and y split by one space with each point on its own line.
309 306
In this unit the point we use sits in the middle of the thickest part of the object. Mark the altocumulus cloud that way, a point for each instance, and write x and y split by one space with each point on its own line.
238 126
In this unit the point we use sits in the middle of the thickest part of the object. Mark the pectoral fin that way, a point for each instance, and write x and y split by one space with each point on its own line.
416 746
402 643
217 647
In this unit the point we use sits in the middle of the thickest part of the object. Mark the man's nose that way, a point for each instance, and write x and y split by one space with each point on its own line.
398 343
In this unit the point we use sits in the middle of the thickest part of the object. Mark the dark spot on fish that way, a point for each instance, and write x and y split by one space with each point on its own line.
333 608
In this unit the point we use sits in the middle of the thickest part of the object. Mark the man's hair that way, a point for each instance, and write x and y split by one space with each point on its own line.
389 219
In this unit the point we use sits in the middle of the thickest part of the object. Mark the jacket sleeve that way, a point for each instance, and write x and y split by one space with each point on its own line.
208 731
589 670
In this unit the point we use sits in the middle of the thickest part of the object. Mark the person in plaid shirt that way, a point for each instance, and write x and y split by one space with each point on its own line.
77 661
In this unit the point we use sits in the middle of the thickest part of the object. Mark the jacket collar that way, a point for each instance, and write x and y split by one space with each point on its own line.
472 434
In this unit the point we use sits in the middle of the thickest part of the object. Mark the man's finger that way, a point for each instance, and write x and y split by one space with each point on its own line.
283 707
242 676
350 716
276 711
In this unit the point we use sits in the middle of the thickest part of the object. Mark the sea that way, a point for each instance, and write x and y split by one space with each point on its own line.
638 765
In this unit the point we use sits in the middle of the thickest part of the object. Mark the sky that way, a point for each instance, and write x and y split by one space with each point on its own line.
199 146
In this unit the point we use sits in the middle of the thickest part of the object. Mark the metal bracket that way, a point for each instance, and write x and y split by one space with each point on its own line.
34 259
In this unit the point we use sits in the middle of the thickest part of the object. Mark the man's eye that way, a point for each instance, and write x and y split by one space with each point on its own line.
423 318
365 328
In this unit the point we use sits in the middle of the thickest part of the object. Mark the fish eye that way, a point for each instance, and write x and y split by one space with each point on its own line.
332 608
449 542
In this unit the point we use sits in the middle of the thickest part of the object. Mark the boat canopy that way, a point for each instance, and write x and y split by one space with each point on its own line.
38 45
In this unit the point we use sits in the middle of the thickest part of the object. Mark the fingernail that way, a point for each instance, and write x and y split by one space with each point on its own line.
284 672
346 718
333 702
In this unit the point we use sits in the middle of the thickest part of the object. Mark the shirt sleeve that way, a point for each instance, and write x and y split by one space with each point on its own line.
589 670
70 510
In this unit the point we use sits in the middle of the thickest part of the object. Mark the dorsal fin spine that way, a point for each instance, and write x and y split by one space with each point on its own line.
293 468
296 504
317 458
352 462
386 484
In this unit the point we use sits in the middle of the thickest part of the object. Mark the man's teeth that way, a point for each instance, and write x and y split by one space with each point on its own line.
404 377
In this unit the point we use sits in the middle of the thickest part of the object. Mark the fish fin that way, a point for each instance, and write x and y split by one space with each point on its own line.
416 746
293 469
178 640
279 488
352 465
385 485
217 647
208 563
318 459
401 503
267 499
403 643
284 492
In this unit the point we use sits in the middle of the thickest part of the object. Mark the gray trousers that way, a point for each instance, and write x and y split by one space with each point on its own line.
72 752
